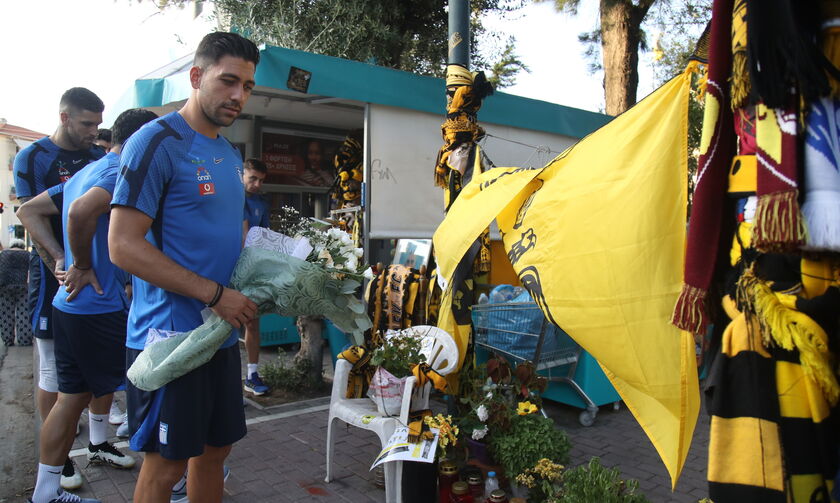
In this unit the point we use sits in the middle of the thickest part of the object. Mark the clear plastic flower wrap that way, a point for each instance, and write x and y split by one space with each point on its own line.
278 283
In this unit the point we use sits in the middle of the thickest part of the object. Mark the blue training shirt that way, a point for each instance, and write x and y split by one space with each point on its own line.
256 210
43 164
39 166
191 187
103 174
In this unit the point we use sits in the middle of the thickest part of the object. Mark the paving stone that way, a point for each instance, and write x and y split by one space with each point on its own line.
283 459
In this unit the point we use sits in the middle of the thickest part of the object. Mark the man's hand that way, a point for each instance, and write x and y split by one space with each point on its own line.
235 308
76 279
59 271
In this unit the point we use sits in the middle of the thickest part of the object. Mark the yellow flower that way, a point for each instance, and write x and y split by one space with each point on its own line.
447 434
526 480
526 408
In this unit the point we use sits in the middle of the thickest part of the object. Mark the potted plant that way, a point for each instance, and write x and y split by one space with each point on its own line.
529 438
594 482
393 361
542 481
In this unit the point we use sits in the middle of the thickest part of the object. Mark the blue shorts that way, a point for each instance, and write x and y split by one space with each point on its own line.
89 351
202 407
42 288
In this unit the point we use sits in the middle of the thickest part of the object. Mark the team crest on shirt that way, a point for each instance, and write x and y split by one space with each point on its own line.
206 187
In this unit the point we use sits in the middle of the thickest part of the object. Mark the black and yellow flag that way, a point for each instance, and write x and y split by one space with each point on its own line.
597 237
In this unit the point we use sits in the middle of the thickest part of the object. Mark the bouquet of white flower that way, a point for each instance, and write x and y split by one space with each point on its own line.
270 272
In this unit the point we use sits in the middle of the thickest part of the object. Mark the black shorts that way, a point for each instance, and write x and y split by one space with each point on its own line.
42 288
89 351
203 407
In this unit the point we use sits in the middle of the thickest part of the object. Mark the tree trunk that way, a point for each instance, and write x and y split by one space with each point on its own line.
311 345
620 36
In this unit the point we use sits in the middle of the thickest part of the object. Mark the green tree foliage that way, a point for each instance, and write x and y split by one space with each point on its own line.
410 36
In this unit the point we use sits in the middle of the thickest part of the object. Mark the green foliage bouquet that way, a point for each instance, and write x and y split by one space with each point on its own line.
530 438
277 282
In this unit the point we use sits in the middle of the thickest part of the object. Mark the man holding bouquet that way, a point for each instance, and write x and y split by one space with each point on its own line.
174 229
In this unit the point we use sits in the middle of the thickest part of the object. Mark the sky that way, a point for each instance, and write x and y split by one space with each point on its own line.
104 45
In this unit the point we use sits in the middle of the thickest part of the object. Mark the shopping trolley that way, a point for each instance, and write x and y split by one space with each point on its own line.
520 331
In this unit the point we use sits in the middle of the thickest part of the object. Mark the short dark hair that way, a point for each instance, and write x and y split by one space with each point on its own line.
82 99
256 164
129 122
214 46
104 134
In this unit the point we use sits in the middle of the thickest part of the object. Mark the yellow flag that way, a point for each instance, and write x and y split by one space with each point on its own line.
597 237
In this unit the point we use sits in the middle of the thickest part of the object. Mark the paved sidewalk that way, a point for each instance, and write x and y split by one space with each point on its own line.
17 423
283 458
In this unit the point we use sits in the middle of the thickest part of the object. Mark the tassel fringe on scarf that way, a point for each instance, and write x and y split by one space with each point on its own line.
790 329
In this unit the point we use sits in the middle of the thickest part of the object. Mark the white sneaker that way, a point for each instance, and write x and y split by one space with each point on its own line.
65 497
116 416
70 476
108 454
122 431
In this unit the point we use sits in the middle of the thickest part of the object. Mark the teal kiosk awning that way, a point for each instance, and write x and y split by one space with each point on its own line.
365 83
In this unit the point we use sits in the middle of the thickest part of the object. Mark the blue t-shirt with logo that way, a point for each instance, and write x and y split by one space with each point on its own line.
102 174
191 187
39 166
43 164
256 210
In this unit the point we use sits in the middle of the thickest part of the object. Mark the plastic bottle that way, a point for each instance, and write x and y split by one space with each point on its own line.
491 484
483 299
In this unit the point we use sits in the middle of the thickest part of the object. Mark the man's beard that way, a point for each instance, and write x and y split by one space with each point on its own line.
215 119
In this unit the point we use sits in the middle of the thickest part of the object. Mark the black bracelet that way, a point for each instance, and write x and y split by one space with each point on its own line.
81 268
219 291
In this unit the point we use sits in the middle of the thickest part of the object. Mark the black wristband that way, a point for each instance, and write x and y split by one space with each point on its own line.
219 291
81 268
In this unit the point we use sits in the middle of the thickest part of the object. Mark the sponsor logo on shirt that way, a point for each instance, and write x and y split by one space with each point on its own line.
206 187
63 172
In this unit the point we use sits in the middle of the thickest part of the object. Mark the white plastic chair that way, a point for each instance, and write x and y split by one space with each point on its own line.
441 353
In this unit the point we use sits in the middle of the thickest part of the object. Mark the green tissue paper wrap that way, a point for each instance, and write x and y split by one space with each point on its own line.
277 283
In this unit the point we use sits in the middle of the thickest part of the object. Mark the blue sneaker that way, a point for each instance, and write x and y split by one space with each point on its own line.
179 490
255 385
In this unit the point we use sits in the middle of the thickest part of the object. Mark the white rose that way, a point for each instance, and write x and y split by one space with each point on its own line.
359 252
352 264
481 412
480 433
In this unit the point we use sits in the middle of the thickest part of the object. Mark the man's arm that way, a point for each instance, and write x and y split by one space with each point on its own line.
82 217
131 252
35 214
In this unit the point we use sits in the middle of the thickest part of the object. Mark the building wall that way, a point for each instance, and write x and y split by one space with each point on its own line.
8 219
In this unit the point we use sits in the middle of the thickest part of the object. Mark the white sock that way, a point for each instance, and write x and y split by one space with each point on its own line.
46 487
98 424
252 368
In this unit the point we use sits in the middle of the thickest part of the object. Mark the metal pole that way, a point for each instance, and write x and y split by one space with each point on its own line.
459 33
365 201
